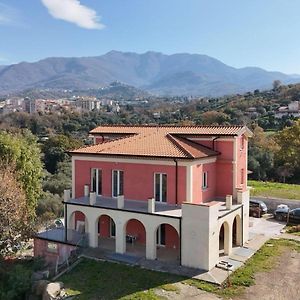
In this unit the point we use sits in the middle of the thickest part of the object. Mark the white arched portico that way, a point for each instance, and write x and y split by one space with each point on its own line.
121 217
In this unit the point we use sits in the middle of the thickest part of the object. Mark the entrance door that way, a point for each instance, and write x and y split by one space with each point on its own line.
161 235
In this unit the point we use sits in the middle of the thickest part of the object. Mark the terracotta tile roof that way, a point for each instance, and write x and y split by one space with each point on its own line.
198 130
160 142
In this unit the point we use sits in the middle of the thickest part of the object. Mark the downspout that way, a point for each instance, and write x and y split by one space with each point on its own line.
242 224
213 142
66 223
180 243
176 181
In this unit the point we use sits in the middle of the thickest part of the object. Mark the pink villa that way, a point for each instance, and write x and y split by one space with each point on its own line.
171 193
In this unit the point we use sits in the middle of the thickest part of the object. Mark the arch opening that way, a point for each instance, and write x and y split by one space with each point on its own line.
106 231
224 239
167 243
78 222
237 232
135 237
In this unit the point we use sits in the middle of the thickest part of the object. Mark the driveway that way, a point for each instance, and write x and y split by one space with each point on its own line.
266 226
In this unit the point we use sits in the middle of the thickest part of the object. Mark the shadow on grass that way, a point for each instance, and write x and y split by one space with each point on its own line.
105 280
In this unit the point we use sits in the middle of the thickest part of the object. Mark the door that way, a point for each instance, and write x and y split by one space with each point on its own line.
160 187
161 235
96 181
117 183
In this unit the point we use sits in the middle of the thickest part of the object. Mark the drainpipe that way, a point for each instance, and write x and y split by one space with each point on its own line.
176 181
66 224
213 145
180 230
242 224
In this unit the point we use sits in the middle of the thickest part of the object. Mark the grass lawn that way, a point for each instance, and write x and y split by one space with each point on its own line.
275 189
104 280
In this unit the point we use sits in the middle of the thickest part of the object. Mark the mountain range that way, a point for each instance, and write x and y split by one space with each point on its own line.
157 73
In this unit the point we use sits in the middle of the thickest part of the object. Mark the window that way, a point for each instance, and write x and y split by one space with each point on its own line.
96 181
204 180
160 187
117 183
52 247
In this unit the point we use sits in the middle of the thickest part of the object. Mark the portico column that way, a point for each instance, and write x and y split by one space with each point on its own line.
120 237
227 240
151 243
92 232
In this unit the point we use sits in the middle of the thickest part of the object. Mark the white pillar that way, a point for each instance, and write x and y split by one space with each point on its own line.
151 243
120 237
227 239
228 202
86 190
120 202
67 195
151 205
92 232
92 198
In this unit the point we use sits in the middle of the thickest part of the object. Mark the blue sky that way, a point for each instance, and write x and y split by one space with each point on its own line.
240 33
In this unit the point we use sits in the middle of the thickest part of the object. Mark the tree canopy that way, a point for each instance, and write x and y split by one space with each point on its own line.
22 151
55 148
15 222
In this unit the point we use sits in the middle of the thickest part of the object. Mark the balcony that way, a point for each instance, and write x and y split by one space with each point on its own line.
120 203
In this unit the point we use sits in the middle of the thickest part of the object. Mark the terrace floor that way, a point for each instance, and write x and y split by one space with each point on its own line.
164 209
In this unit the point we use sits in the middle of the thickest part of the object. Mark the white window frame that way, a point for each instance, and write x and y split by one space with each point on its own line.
160 190
97 181
158 237
118 183
204 180
111 221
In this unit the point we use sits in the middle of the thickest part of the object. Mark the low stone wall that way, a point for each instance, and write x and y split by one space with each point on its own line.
273 202
52 251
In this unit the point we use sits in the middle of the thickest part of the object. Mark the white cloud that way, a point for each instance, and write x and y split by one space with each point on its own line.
73 11
7 14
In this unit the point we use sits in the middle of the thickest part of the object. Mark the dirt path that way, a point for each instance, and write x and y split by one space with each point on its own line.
186 292
280 283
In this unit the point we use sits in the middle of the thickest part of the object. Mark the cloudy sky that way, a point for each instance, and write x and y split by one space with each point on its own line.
262 33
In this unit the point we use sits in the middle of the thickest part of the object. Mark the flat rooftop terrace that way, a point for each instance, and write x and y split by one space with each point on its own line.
163 209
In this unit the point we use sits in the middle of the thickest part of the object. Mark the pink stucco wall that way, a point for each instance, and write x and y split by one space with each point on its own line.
41 249
138 179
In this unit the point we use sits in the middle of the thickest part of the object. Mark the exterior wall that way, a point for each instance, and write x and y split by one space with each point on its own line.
222 172
224 180
41 249
201 195
201 227
138 179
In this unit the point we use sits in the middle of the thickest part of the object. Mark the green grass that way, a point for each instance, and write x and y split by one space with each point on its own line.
105 280
275 189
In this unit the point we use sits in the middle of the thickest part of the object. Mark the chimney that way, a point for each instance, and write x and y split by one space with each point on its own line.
92 198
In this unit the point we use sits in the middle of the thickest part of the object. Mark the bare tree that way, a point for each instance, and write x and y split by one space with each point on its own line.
14 218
